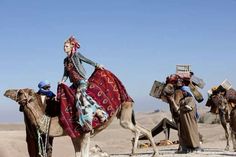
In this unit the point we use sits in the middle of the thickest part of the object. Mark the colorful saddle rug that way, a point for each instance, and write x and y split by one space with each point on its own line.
104 87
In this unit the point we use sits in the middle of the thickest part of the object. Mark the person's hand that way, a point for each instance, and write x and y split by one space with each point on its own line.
60 82
188 108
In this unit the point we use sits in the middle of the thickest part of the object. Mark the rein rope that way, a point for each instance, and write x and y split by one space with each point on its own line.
42 145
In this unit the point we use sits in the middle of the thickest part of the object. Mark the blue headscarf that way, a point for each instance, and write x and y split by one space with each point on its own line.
187 90
48 93
43 91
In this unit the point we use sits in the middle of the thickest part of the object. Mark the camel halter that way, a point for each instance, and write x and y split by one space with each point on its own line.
45 125
19 101
41 144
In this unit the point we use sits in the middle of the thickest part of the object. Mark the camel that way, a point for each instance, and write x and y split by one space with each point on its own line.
222 103
233 127
28 100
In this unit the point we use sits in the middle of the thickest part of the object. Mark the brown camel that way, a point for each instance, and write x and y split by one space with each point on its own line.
222 102
233 127
28 100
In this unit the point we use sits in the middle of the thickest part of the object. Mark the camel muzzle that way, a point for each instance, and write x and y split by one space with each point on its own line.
10 93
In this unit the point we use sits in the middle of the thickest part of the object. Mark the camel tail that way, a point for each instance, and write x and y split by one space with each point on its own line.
133 118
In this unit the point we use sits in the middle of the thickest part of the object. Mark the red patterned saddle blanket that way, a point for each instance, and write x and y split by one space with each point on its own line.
104 87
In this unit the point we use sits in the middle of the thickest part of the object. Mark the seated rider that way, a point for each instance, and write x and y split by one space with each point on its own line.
51 109
74 70
44 89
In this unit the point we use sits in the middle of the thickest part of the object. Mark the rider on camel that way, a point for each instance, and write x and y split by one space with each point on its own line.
74 70
51 109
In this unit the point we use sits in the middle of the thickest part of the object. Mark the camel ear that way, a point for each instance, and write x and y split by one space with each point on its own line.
30 92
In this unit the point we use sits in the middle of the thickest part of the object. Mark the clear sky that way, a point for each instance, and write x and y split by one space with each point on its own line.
139 41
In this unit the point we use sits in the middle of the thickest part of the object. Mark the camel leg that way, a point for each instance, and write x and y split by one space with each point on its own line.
135 140
233 126
126 122
85 145
77 146
148 134
81 145
224 124
233 137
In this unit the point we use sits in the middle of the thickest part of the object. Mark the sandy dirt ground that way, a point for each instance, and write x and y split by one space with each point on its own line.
117 141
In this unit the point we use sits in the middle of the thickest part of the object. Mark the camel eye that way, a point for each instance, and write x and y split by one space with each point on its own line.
19 94
31 99
31 92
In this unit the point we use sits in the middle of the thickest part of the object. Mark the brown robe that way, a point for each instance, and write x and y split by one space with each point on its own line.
188 124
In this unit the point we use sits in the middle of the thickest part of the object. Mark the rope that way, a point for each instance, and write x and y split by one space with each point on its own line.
45 129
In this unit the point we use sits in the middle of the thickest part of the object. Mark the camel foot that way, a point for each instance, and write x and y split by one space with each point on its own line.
234 149
227 148
155 155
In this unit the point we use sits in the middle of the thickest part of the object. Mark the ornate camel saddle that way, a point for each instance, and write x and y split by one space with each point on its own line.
104 87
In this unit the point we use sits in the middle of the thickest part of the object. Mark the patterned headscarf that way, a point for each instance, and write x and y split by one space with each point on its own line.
76 45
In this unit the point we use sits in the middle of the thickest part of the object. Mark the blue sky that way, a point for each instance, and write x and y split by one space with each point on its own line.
140 41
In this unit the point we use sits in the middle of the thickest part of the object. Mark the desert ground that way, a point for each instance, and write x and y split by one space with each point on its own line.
116 141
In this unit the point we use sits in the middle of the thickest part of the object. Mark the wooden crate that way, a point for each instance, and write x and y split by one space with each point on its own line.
156 90
185 68
226 84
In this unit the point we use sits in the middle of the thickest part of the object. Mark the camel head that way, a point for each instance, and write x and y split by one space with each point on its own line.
21 96
33 109
27 101
219 100
169 89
